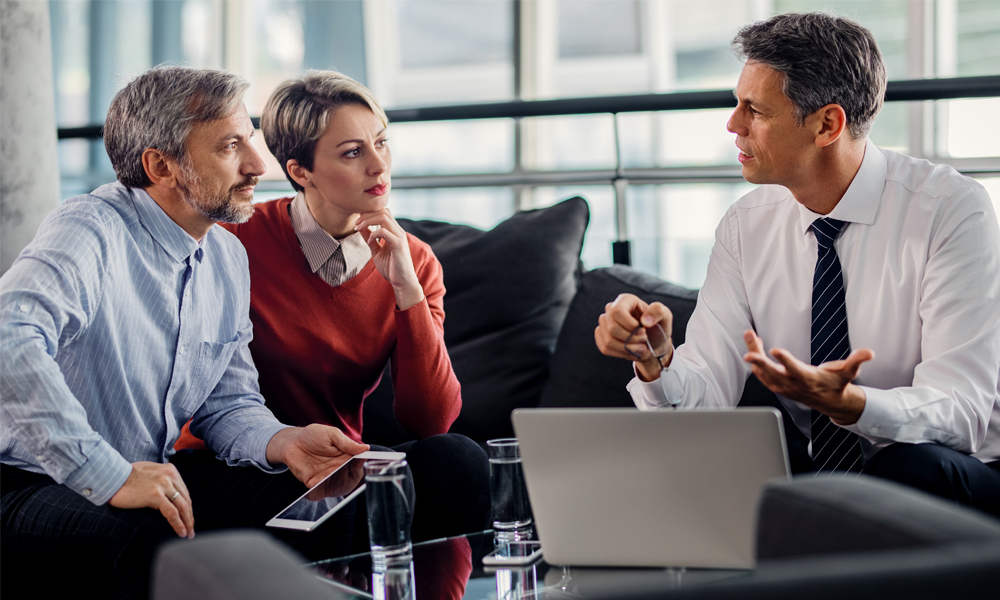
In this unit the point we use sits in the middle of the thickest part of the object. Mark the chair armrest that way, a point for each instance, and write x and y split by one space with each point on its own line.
812 515
234 565
965 570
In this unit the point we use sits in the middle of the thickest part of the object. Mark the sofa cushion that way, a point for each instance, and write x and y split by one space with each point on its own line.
581 375
508 292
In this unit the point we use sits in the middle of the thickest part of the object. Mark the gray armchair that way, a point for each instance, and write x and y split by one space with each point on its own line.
817 537
834 537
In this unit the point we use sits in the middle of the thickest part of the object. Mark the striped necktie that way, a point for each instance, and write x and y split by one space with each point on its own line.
833 448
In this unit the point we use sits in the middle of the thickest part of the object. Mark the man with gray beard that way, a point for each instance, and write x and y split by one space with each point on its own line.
125 317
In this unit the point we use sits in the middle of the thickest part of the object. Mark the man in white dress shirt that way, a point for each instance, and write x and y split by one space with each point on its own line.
919 250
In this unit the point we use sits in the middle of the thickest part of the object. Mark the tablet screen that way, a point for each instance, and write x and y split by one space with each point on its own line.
326 497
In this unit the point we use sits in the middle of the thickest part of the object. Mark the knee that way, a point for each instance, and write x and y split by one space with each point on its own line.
928 467
138 536
454 454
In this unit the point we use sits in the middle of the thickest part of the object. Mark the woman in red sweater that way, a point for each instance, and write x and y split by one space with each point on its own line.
338 289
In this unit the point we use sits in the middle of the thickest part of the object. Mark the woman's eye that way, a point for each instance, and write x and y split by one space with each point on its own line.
383 143
352 153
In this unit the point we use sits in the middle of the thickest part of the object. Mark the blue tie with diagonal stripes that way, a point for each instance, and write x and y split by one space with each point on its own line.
833 448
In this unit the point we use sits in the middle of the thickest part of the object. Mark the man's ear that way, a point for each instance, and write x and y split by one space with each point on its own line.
161 169
829 122
298 173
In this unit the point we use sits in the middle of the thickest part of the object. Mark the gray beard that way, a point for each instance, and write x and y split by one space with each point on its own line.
217 208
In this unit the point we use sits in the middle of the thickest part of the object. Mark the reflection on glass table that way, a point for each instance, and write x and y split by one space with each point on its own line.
452 569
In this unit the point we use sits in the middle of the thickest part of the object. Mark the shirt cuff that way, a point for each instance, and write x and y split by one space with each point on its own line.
648 395
880 423
251 448
100 478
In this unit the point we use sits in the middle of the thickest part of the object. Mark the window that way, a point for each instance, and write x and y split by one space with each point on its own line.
681 165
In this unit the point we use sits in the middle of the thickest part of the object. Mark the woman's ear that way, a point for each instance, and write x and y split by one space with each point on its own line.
298 173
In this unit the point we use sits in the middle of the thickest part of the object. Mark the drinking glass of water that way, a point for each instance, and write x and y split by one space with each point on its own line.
511 510
390 512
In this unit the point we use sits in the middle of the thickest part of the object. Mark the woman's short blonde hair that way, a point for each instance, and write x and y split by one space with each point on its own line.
297 113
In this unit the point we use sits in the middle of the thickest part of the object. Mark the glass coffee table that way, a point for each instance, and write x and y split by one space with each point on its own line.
452 569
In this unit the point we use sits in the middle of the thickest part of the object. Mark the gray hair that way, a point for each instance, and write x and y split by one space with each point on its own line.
297 113
825 60
158 109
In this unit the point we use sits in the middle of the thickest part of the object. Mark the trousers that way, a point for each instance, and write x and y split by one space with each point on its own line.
941 471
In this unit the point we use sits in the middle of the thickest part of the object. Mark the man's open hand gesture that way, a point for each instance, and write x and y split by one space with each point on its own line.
826 388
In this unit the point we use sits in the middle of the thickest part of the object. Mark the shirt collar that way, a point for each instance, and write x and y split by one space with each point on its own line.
170 236
861 200
317 245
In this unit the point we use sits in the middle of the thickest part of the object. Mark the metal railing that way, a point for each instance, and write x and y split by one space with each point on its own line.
896 91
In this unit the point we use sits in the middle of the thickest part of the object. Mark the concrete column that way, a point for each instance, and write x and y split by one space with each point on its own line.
29 164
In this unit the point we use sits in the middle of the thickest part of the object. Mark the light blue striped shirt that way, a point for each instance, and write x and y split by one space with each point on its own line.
116 327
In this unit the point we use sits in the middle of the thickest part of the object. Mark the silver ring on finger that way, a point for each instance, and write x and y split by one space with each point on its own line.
174 496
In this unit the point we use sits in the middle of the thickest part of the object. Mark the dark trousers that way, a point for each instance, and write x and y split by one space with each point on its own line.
940 471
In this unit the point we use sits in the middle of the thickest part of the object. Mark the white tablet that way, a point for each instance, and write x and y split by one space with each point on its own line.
328 496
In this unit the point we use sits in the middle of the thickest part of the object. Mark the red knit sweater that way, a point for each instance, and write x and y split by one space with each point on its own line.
320 350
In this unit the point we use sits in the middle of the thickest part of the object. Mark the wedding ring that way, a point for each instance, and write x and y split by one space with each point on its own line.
174 497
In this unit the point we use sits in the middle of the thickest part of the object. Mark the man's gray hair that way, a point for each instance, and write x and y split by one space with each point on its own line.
297 113
158 109
825 60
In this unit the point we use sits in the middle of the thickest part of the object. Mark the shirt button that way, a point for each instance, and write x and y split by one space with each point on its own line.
180 350
87 492
874 430
23 308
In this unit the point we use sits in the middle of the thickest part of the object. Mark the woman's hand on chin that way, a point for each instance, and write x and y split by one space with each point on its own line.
391 253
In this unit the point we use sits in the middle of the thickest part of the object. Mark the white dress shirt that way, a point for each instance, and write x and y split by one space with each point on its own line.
335 261
921 264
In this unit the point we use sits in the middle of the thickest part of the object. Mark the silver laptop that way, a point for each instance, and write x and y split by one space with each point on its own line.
668 488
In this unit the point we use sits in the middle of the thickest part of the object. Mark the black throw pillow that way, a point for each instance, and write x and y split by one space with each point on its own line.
508 291
581 375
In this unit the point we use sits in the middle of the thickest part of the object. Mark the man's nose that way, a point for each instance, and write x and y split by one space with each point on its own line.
253 164
732 125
